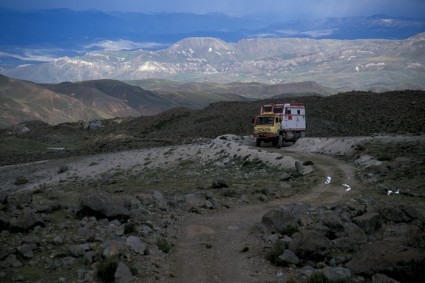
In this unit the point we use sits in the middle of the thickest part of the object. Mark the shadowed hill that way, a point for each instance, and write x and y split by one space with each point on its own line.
353 113
23 100
251 90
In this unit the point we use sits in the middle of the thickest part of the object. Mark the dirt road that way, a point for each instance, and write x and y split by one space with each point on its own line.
226 247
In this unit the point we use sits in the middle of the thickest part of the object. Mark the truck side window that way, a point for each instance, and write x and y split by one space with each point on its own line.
298 111
288 111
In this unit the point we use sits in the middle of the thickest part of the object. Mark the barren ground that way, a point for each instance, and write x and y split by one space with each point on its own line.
222 244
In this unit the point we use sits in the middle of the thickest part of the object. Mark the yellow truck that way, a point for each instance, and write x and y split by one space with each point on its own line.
277 123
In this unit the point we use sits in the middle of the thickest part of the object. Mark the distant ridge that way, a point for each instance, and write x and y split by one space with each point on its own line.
104 99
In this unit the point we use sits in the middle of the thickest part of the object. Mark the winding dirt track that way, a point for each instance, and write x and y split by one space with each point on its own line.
225 247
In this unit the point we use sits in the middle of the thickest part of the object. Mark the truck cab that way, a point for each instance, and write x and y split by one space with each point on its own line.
267 128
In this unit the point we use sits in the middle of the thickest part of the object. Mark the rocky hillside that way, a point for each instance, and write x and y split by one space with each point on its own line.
345 114
207 208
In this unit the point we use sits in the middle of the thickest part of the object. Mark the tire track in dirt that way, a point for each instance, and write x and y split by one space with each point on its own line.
225 246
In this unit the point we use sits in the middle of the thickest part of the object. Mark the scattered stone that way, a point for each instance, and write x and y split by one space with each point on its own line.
336 273
67 262
12 261
59 239
81 274
285 176
123 274
145 231
26 251
136 244
299 167
195 200
307 270
157 196
114 248
76 250
382 278
289 257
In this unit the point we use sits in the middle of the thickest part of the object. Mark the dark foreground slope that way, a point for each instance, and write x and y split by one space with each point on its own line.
346 114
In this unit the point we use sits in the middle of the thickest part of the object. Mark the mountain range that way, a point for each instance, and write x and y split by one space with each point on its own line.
368 64
377 52
104 99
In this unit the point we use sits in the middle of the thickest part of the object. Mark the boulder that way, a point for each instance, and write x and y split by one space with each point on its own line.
368 222
135 244
195 199
19 200
25 220
336 273
333 220
289 257
114 248
101 205
280 219
399 213
285 176
303 170
76 250
12 261
310 245
26 251
351 239
391 258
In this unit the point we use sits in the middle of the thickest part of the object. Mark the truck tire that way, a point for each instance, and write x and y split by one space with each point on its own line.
279 142
258 142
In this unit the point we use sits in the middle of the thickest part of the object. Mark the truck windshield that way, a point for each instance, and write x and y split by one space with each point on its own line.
264 121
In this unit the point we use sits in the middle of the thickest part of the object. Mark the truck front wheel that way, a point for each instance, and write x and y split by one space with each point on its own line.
279 142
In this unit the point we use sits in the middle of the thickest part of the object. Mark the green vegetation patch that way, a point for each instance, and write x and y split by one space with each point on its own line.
20 145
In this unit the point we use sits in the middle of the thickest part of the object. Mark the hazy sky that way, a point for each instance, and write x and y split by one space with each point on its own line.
287 8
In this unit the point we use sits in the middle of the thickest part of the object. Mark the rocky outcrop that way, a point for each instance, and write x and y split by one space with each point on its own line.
351 240
101 205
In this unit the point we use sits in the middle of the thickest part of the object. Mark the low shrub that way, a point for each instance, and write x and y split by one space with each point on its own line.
21 180
129 228
289 230
163 244
106 269
63 169
274 253
229 193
